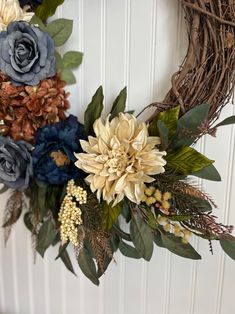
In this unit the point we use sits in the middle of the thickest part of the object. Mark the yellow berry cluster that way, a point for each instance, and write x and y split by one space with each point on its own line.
153 196
175 228
70 213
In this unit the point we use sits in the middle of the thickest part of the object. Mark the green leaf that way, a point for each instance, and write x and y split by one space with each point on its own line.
128 250
119 104
93 111
187 160
47 8
60 31
28 221
158 239
170 118
46 236
201 204
176 246
163 132
228 245
58 62
227 121
126 212
68 76
42 195
87 265
189 123
142 237
62 248
193 118
37 21
72 59
153 129
63 254
110 214
208 173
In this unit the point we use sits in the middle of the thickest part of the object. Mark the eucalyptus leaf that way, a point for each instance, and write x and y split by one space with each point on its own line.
193 118
68 76
93 110
28 221
62 248
87 265
119 104
227 121
42 195
228 245
126 212
188 124
176 246
158 239
163 132
208 173
66 259
110 214
128 250
72 59
186 160
47 8
201 204
46 236
60 31
142 237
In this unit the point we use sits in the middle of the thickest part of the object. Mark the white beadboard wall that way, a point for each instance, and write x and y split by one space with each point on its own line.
138 43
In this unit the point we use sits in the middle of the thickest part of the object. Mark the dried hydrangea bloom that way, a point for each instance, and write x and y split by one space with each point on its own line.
11 11
24 109
120 159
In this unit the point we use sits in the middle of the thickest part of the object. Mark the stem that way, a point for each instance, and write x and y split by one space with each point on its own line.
122 234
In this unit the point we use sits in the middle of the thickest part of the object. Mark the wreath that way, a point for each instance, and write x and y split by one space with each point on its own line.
74 181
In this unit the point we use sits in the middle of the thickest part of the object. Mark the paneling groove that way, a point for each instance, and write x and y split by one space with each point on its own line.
138 44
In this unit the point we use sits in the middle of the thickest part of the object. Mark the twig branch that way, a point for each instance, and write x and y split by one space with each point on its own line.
197 8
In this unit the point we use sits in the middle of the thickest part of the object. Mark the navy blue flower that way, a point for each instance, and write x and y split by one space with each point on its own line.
53 156
30 2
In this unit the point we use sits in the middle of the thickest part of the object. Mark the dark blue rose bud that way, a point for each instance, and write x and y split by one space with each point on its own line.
27 54
15 163
53 156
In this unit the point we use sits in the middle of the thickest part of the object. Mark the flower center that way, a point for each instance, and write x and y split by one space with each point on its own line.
60 159
118 161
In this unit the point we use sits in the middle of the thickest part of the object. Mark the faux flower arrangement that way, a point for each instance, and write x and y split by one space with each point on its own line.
74 181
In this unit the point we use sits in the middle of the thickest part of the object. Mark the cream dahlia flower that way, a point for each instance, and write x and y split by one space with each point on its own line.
120 159
11 11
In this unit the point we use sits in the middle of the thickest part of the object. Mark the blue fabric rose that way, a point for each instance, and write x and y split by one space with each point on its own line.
53 156
16 165
27 54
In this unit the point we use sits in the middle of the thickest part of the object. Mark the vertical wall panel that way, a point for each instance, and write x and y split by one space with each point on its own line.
138 43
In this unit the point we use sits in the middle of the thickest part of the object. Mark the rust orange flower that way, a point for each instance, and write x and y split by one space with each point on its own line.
24 109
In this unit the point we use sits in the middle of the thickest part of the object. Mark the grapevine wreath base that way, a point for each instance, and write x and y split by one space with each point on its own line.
72 181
